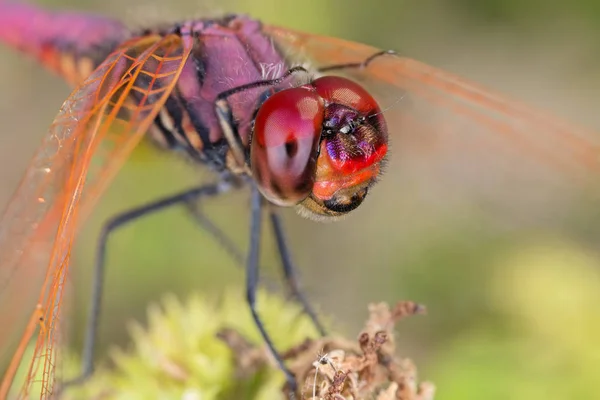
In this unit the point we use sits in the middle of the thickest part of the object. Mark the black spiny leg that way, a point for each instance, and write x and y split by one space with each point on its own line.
217 233
252 282
363 64
289 271
114 223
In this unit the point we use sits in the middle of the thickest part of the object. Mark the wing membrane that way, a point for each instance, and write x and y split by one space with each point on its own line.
92 135
452 139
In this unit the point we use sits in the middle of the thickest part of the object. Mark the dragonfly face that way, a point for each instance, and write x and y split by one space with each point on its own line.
320 145
316 142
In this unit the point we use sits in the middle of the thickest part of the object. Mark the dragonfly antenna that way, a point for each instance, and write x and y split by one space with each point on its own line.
398 100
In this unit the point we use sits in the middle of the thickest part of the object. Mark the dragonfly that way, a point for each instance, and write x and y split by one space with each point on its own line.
300 120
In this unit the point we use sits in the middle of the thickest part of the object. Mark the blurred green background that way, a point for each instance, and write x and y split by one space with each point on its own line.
513 301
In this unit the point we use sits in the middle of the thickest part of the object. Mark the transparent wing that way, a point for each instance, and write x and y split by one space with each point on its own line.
453 141
92 135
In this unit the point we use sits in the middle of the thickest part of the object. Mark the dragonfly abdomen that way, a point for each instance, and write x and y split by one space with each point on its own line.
70 44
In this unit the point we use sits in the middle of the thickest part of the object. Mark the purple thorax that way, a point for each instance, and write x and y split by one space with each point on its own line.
228 55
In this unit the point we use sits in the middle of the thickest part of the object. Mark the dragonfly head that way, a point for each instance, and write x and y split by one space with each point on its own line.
319 146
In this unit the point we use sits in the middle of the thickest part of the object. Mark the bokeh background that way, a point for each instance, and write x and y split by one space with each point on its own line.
513 306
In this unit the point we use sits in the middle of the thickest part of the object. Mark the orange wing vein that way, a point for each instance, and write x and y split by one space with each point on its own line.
94 132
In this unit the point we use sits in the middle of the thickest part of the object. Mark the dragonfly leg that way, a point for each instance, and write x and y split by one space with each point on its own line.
289 270
109 227
252 275
363 64
217 233
267 82
288 266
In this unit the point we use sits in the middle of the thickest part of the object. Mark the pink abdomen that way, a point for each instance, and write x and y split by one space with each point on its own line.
56 38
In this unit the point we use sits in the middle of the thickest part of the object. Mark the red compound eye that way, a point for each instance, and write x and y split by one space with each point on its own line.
338 90
285 144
